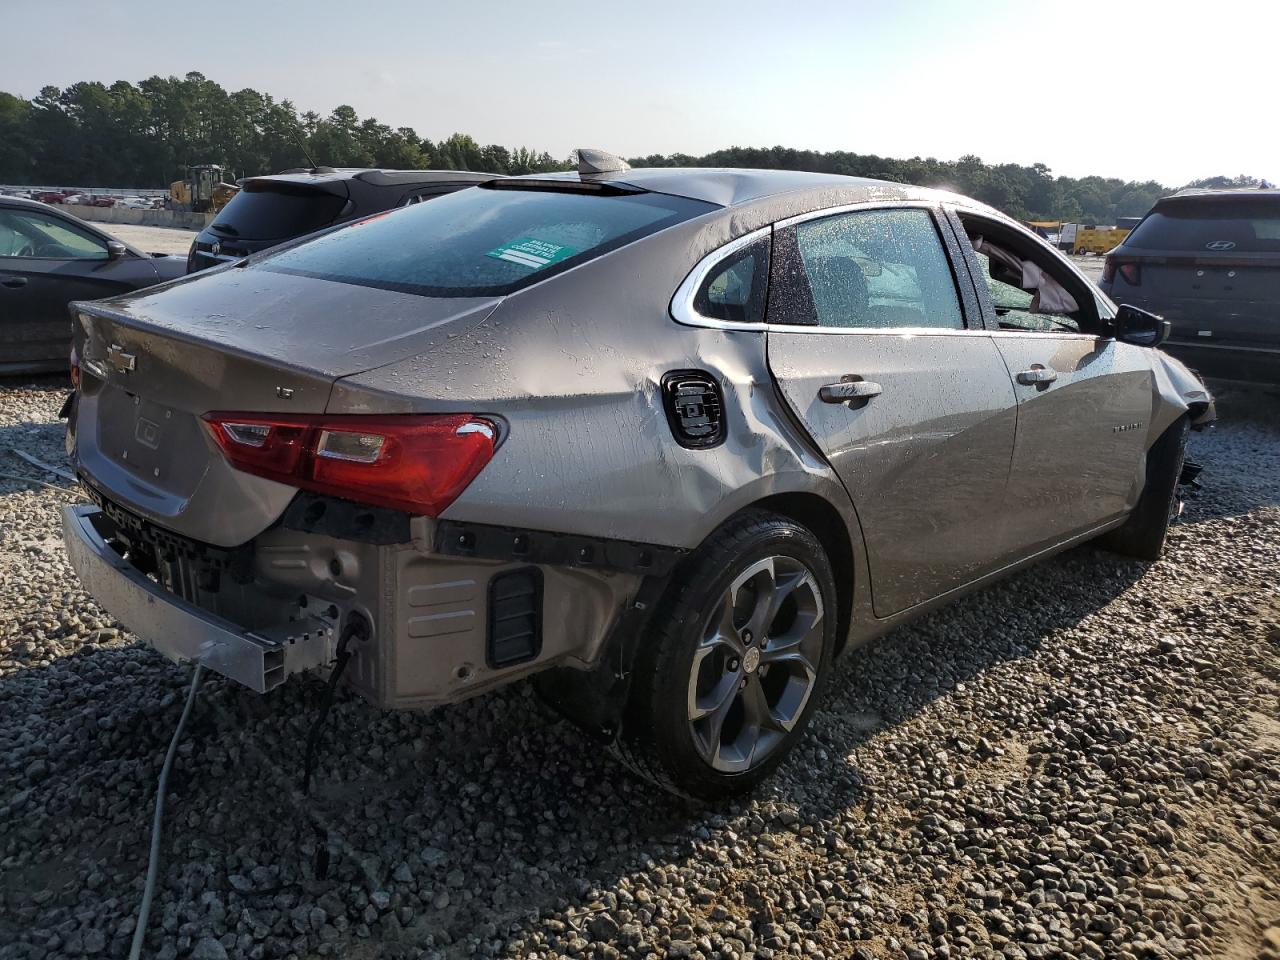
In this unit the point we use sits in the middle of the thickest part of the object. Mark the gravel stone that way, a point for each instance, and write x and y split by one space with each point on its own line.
208 949
1082 760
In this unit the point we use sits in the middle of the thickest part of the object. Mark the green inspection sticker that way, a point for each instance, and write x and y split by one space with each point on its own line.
531 253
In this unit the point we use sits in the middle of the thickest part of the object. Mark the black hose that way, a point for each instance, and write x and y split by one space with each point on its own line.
357 628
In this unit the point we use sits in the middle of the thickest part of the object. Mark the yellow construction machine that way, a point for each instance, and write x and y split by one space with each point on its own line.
203 191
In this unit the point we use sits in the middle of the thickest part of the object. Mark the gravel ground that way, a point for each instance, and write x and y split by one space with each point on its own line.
152 239
1090 266
1083 761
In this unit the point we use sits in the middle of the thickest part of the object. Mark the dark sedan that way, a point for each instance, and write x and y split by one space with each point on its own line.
47 259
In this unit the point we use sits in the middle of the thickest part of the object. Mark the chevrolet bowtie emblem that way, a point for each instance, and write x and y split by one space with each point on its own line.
120 360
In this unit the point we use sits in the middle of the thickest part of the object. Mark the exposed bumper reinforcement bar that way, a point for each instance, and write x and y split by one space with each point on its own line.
258 659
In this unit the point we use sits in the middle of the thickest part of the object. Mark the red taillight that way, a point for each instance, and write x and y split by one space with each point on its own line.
75 370
1131 272
415 463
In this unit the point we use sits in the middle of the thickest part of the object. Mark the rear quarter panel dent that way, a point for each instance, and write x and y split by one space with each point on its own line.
574 366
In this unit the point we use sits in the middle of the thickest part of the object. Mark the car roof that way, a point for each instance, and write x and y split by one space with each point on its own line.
23 203
733 186
1197 194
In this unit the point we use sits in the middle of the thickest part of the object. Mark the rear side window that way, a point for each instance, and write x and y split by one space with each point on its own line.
1223 226
482 242
878 269
277 211
735 289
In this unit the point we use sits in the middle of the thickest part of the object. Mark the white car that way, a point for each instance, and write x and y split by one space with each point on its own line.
134 203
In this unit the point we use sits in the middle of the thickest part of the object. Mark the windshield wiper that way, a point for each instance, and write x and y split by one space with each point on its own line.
225 228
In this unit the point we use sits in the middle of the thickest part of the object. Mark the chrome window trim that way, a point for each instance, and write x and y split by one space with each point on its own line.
683 312
855 207
682 309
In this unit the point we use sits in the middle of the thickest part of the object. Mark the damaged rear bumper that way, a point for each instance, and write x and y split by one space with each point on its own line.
452 611
259 659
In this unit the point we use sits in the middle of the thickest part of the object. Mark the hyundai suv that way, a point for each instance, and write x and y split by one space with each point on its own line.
1209 262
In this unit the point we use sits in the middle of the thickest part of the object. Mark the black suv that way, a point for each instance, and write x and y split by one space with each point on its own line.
1209 263
272 209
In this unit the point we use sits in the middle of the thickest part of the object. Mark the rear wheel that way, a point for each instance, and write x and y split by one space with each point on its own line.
1143 534
736 660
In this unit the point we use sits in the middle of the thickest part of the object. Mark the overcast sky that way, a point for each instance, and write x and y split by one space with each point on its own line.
1138 90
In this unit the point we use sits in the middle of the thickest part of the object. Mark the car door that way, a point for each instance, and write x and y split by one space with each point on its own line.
1084 398
868 341
46 261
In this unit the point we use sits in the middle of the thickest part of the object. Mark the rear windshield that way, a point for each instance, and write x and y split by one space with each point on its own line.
277 211
1237 226
481 241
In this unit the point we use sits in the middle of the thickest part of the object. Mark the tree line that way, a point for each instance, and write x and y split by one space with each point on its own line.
146 134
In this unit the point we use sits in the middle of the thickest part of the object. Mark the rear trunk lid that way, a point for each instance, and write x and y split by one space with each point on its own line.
153 365
1218 297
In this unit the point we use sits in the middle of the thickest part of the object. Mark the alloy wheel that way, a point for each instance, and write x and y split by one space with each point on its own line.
755 666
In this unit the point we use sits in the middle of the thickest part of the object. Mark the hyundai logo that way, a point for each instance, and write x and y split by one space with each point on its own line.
1220 245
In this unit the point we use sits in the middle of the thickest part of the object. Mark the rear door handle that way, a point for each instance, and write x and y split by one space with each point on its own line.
850 390
13 282
1037 375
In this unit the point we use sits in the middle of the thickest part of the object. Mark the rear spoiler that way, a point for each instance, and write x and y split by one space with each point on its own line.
336 187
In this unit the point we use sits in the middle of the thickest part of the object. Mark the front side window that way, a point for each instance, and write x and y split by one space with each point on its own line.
1016 308
878 269
482 241
42 237
1029 288
735 288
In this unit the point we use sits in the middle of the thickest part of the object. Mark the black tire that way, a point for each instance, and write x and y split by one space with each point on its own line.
1143 534
688 648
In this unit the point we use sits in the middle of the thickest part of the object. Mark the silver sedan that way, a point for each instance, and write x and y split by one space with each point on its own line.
665 441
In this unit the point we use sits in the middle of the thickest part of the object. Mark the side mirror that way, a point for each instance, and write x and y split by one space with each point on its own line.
116 249
1140 327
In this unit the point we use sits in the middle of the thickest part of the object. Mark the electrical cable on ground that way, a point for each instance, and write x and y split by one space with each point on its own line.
358 629
153 862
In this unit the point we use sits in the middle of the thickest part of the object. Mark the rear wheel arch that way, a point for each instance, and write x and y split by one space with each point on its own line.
661 737
825 522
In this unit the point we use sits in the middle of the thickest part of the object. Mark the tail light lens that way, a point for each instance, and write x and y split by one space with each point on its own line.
416 463
75 369
1131 272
